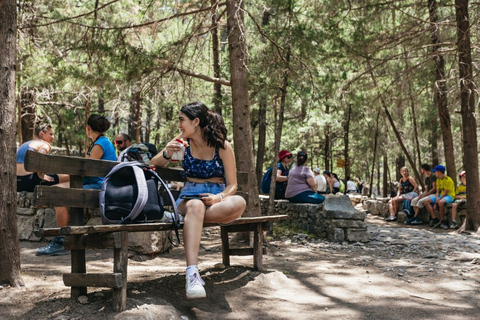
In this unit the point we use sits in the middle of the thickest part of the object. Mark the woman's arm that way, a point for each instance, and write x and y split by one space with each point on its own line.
280 178
96 153
230 166
171 147
311 183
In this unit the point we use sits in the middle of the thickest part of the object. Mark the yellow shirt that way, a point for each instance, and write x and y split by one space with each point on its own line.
446 184
461 190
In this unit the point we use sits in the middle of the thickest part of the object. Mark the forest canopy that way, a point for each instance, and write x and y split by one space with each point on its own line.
339 65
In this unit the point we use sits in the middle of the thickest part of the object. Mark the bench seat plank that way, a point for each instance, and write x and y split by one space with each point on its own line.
159 226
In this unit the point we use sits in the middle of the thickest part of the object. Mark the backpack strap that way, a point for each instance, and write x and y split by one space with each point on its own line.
142 190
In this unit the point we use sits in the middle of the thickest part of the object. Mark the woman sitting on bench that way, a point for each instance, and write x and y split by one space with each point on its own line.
210 169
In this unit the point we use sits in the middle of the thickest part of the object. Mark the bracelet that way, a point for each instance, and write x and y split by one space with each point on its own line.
221 197
164 154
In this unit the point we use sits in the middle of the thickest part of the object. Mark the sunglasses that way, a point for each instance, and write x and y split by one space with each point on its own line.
119 141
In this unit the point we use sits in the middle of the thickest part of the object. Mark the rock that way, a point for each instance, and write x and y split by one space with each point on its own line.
25 226
356 235
336 235
62 317
349 224
83 299
49 219
145 311
340 207
219 266
26 211
149 242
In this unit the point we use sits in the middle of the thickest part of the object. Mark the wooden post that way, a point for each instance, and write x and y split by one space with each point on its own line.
225 246
257 247
78 256
120 265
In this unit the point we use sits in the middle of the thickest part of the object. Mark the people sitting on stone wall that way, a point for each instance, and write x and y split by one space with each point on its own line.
284 159
407 188
320 181
301 187
460 198
429 188
332 181
444 195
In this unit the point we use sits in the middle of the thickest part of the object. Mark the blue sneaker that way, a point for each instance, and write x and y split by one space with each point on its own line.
409 221
54 248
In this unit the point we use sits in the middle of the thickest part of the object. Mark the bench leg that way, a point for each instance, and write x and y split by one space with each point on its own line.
225 246
120 265
258 247
78 266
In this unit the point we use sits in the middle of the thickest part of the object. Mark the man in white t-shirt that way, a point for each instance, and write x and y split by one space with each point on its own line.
351 187
320 181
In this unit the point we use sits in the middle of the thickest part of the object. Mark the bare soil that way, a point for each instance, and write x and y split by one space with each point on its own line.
304 279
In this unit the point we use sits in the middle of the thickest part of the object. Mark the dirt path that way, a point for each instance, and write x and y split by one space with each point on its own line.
408 273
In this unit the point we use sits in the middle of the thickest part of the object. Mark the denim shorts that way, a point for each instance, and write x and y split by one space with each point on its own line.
194 188
447 198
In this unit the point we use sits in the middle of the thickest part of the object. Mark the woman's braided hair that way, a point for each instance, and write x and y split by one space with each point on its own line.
211 123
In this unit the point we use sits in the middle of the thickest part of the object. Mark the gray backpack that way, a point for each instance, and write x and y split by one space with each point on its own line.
130 194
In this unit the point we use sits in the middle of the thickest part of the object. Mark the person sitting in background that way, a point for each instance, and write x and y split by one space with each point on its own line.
444 195
460 198
301 187
26 181
284 159
320 181
359 185
351 187
406 191
335 183
122 141
429 188
101 148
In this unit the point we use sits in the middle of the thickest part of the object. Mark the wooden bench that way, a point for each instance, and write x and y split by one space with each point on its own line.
80 237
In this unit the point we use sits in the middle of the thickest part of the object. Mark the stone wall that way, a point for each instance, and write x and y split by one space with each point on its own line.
335 219
31 219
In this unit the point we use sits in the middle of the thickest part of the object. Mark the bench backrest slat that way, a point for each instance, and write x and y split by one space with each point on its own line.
75 166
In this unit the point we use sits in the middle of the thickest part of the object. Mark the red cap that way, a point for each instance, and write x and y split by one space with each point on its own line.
282 154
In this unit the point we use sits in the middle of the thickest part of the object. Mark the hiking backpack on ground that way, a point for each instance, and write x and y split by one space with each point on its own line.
129 194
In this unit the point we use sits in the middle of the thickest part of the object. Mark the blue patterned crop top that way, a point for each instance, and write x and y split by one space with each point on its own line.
202 169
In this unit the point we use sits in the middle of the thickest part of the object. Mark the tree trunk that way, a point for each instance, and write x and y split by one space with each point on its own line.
374 156
346 130
88 110
327 141
27 115
10 270
472 221
134 122
434 140
395 130
441 93
237 48
385 176
217 87
399 163
262 134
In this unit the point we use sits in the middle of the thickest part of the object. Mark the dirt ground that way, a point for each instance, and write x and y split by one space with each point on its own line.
402 273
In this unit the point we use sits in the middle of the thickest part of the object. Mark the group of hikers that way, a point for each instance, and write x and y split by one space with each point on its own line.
208 164
302 185
438 191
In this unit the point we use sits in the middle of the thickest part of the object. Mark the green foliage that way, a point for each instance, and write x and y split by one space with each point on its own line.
71 54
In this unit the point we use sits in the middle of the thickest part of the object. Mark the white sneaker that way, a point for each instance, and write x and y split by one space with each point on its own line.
194 287
169 216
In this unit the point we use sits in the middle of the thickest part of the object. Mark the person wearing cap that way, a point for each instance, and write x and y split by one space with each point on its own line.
460 198
284 159
320 181
444 195
429 189
301 187
407 188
